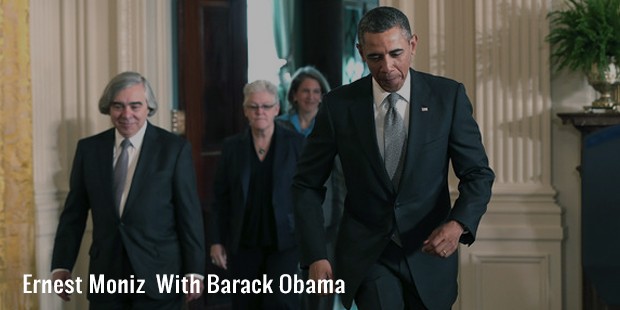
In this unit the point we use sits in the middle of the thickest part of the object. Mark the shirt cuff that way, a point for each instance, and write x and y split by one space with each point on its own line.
195 275
59 270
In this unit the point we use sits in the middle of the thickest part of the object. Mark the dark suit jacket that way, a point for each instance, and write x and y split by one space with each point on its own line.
231 183
161 227
441 130
335 192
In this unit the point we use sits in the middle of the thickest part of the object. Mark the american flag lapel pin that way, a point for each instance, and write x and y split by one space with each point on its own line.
424 109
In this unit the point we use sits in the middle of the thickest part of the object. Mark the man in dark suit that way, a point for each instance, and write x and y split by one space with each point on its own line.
138 182
251 227
395 131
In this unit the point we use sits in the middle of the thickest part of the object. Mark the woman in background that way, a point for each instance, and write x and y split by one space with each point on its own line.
251 224
304 96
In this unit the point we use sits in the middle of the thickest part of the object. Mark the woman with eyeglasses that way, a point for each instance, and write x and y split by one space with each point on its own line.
251 231
305 94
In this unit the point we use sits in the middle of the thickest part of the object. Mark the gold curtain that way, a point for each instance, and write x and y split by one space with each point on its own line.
17 251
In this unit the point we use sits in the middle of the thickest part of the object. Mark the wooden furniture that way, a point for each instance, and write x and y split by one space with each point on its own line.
587 123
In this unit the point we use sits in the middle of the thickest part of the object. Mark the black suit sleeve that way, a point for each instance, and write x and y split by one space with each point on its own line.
219 211
313 169
73 217
187 206
471 167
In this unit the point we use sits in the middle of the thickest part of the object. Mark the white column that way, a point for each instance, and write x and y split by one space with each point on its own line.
521 236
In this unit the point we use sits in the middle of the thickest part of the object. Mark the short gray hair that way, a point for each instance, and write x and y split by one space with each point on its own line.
260 86
122 81
381 19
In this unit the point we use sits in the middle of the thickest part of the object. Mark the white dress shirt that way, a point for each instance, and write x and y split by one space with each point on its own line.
381 106
132 151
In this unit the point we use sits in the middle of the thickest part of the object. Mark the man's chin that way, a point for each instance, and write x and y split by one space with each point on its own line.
391 85
126 132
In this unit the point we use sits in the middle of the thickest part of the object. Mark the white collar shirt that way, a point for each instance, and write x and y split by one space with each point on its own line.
132 151
380 107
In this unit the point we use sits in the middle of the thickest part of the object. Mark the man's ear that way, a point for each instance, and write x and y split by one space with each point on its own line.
360 50
414 43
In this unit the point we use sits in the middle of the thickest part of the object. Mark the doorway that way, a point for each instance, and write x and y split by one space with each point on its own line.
212 60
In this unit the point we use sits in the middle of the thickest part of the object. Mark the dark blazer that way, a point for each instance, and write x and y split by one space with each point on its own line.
441 130
231 183
161 226
335 192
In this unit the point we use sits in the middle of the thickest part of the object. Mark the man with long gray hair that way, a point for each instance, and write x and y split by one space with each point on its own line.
138 182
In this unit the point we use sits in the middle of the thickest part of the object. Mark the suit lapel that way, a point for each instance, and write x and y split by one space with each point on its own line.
420 106
148 154
363 115
281 152
244 154
105 164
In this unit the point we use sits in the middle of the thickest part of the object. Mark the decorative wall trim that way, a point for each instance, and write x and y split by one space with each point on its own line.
17 223
508 268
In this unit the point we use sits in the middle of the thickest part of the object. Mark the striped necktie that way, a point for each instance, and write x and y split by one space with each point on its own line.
120 174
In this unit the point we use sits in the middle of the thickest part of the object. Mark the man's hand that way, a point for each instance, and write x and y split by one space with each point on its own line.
62 275
218 256
191 295
444 240
320 270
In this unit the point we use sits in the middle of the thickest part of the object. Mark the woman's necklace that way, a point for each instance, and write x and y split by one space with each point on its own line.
261 145
262 150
